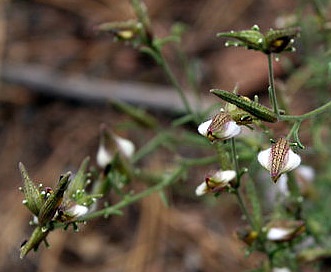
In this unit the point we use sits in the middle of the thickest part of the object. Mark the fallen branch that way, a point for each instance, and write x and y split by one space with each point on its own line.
91 90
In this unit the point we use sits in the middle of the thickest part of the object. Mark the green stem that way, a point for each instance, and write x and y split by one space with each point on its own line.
235 162
272 89
155 52
307 115
243 208
174 82
129 199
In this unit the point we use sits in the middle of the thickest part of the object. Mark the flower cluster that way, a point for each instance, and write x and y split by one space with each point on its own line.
65 204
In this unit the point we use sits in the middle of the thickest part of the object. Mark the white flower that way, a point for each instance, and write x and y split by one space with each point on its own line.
221 127
110 144
279 159
216 182
280 231
76 210
103 156
281 269
278 234
125 146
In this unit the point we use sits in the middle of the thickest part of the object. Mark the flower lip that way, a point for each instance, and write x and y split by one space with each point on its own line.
77 210
280 231
279 159
220 127
217 182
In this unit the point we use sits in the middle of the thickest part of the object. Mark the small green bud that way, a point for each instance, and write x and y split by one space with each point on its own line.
52 203
33 199
34 241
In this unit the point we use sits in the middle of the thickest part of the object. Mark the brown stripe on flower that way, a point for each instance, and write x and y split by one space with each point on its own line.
217 124
279 157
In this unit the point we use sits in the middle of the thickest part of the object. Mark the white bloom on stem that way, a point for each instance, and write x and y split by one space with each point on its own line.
279 159
103 156
278 234
77 211
125 146
280 231
281 269
216 182
221 127
111 143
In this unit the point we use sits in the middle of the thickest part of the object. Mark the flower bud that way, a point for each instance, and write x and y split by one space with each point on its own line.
52 203
35 239
33 198
110 144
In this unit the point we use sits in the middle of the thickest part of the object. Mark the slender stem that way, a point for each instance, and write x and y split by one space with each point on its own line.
272 89
307 115
175 83
142 15
243 208
235 161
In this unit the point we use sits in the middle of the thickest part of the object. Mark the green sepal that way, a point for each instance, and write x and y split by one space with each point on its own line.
52 203
251 38
78 184
33 198
37 236
274 41
281 39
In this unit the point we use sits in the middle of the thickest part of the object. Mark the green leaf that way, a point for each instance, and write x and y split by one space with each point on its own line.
261 112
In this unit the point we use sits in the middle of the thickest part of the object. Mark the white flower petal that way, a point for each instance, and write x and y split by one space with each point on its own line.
203 127
224 176
103 156
277 234
126 146
264 158
293 162
231 130
77 210
281 269
201 189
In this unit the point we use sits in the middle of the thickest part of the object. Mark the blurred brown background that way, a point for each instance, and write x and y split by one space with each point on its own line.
51 131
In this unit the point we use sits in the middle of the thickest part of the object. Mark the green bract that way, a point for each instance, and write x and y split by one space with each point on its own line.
274 41
33 198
